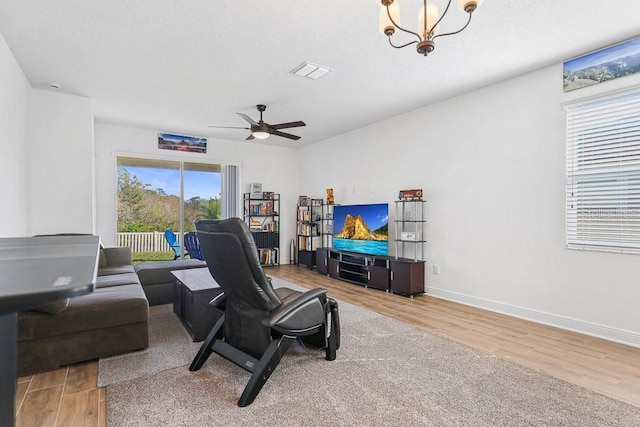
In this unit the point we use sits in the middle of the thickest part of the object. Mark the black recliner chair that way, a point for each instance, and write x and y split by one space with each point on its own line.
259 322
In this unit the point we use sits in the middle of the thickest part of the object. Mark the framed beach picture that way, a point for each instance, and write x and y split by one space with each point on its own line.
606 64
192 144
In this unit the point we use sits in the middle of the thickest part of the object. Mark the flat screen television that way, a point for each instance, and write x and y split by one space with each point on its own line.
361 228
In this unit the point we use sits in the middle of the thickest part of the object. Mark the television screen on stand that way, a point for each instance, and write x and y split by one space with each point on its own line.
361 228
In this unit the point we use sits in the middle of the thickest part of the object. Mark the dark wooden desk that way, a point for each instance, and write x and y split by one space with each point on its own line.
193 290
33 271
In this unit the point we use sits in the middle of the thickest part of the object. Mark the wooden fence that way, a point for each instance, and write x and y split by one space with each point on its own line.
145 242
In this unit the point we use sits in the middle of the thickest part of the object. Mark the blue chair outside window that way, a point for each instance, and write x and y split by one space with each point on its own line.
172 240
192 246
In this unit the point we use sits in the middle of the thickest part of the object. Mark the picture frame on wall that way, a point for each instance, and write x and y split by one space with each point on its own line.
191 144
602 65
255 190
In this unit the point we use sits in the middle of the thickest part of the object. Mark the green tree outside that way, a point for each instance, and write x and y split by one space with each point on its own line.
141 209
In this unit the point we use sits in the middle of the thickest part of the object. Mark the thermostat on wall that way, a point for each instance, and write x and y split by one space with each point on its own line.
409 236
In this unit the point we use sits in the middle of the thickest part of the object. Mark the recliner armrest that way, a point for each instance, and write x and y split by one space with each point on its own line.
218 300
304 312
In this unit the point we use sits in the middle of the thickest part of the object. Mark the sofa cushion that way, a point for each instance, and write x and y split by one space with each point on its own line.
102 259
103 308
117 269
155 272
117 280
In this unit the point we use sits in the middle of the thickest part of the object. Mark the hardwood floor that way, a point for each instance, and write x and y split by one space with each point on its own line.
69 396
65 397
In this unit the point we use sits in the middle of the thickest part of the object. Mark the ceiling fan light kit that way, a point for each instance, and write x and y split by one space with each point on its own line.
260 134
428 22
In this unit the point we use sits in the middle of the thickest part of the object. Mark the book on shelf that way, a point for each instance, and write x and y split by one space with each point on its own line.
303 243
271 226
304 215
308 243
262 209
307 229
268 256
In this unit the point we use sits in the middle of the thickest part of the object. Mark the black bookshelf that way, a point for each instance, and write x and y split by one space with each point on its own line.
262 215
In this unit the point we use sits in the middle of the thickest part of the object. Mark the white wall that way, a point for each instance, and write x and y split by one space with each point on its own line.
492 166
275 167
60 166
14 89
491 163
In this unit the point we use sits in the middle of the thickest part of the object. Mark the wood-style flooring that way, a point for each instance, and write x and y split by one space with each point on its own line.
69 396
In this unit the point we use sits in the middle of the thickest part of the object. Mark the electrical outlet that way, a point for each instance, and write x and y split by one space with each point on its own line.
436 269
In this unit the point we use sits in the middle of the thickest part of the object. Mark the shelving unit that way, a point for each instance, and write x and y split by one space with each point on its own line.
396 275
262 217
409 230
326 226
403 274
308 229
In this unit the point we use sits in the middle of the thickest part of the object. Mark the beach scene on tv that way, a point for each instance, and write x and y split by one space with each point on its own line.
361 228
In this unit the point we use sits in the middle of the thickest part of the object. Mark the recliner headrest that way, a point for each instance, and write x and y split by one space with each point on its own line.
238 228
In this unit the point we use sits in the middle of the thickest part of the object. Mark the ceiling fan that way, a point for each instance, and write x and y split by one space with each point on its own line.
262 130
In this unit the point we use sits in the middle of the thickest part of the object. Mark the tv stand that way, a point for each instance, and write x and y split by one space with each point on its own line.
396 275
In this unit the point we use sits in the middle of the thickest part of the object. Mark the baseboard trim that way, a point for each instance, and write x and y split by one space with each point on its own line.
575 325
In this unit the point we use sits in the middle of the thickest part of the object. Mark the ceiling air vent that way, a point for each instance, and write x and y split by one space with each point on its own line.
310 70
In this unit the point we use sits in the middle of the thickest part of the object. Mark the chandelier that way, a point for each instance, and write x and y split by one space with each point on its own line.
428 22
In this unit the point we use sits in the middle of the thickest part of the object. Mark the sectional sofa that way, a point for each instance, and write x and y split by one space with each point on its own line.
111 320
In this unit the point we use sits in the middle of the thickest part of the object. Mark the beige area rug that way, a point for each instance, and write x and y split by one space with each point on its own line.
387 373
170 346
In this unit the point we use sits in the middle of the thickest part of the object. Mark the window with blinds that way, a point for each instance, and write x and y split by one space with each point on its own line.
603 173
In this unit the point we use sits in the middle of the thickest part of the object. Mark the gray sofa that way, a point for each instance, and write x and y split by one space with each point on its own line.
111 320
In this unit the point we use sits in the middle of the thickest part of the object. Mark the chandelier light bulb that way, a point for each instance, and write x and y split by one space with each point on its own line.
429 31
429 21
386 25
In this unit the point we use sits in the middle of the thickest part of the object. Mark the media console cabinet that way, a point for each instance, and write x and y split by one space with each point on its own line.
397 275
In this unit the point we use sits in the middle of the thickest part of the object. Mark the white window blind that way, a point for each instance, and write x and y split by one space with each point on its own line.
603 173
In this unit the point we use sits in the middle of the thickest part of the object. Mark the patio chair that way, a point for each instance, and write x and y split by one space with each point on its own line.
172 240
192 246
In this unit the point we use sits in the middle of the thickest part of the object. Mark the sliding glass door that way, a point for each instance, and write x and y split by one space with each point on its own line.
202 193
159 195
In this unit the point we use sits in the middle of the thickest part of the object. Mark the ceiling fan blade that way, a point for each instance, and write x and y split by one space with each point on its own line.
250 137
285 135
228 127
288 125
247 118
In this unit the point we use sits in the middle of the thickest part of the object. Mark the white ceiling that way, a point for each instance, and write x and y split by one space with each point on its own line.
178 66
